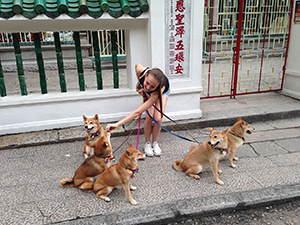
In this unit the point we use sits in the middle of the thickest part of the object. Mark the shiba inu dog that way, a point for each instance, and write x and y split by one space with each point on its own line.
92 166
94 131
236 137
208 153
119 175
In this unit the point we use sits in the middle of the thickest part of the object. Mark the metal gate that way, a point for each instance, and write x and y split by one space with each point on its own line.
245 44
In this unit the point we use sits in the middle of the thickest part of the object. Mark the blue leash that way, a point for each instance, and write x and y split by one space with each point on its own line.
184 138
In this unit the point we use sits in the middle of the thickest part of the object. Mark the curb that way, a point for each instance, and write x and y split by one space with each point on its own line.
78 133
195 207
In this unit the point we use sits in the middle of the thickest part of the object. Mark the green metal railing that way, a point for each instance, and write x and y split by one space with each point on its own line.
19 63
60 64
103 39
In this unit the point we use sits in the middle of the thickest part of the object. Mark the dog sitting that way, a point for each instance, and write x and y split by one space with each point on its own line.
92 166
119 175
236 138
206 154
94 131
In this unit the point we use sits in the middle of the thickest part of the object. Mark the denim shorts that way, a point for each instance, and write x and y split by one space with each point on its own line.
168 92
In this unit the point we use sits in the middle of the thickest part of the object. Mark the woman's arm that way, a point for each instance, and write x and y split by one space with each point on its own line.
142 108
139 68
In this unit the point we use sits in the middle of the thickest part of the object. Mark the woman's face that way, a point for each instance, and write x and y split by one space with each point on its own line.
150 83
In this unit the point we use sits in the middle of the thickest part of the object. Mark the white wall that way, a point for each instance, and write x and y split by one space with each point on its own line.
292 73
145 43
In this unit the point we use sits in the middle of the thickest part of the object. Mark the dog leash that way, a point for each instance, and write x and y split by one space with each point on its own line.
184 138
138 134
183 128
127 136
125 128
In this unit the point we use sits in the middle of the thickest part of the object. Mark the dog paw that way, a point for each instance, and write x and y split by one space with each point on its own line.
196 177
220 182
133 202
235 158
133 188
233 166
107 199
220 171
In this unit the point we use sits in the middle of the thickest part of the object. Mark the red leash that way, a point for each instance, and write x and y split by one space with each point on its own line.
138 134
127 137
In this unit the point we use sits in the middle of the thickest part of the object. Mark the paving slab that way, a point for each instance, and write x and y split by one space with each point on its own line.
267 170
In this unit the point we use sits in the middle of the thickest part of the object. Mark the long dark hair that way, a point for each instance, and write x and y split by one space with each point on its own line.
159 75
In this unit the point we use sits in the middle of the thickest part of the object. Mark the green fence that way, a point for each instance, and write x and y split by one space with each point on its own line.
110 51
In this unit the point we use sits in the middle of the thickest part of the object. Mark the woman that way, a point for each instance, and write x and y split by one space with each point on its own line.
155 87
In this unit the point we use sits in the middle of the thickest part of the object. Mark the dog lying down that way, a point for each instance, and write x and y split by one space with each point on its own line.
92 166
208 153
119 175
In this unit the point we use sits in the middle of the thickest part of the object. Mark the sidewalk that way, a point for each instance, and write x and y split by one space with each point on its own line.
268 169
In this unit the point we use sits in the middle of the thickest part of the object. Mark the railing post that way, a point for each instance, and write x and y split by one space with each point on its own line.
2 84
79 61
40 62
19 64
238 46
113 40
60 63
97 59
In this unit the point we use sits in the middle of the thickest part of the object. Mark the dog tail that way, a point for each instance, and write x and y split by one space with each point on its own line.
66 182
177 165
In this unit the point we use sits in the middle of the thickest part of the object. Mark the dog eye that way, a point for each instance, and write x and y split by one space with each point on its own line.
91 122
215 136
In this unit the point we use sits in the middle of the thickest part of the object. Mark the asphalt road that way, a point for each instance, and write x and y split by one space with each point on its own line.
281 213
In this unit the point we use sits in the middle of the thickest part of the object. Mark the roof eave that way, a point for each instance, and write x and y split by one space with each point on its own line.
19 23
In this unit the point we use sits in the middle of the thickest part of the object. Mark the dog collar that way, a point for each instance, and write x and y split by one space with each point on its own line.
237 135
110 158
133 172
223 150
92 136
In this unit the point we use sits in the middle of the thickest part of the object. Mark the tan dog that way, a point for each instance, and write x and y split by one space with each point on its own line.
94 131
92 166
236 137
206 154
119 175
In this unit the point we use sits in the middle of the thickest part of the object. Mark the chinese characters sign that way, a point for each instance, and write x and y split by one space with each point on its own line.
178 17
297 13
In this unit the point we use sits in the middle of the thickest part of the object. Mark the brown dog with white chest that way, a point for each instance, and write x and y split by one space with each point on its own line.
119 175
208 153
94 131
92 166
236 138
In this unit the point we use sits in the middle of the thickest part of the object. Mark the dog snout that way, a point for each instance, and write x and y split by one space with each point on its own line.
209 143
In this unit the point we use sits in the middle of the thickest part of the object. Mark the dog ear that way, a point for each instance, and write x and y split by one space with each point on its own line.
128 153
96 117
84 118
225 131
210 129
130 145
239 118
105 144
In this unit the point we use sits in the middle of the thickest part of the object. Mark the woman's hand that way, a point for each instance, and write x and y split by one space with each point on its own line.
111 126
141 92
